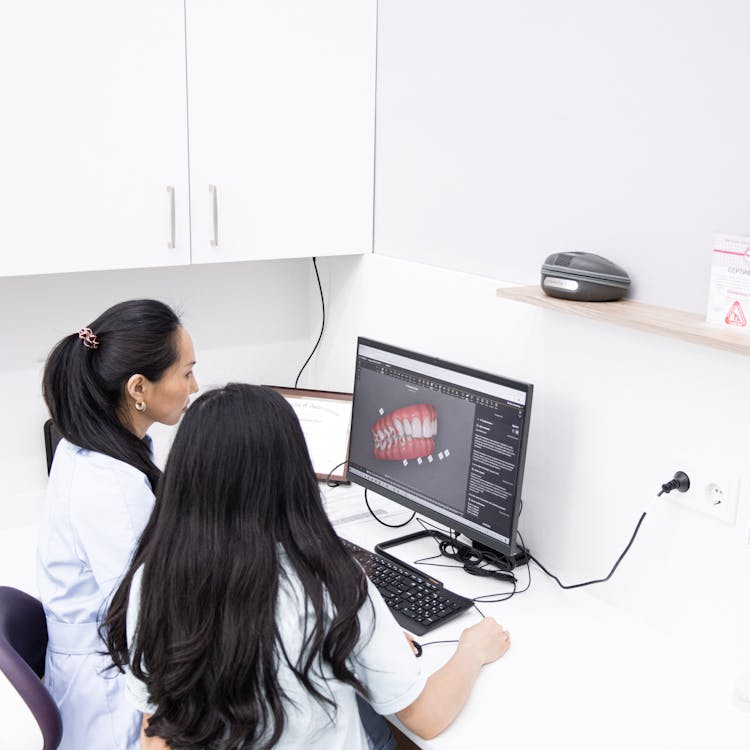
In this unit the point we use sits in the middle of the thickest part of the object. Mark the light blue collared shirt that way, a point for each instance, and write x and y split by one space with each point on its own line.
95 511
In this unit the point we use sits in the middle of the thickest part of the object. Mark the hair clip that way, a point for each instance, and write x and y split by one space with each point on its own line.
89 338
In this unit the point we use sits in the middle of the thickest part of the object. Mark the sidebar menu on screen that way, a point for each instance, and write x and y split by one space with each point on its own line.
494 465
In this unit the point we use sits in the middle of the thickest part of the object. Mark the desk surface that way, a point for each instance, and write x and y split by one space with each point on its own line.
580 673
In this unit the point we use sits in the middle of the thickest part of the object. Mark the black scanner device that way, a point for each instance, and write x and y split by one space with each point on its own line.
585 277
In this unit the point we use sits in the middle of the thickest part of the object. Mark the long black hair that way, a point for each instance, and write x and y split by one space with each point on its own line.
84 387
237 487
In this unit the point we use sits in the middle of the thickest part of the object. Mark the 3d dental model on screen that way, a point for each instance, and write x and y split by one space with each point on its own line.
405 433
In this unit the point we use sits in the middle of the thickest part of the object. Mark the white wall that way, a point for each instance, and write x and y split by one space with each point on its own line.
507 131
249 321
510 130
615 413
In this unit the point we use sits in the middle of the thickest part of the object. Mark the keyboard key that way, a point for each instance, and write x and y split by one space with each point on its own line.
418 603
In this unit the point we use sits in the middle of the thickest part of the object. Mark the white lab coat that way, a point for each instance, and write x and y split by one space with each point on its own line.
96 508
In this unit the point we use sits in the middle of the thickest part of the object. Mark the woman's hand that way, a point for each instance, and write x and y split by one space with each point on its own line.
447 690
487 640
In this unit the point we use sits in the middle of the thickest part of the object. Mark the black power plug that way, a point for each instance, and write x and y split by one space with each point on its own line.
681 483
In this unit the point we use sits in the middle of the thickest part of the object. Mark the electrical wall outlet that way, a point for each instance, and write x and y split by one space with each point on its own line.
714 496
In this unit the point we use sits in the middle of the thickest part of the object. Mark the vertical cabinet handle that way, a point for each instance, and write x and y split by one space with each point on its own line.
215 214
170 244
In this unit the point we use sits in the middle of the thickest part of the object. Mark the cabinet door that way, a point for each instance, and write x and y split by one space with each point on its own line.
93 135
282 120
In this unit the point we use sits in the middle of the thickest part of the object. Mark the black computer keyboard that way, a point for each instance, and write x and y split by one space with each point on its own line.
419 603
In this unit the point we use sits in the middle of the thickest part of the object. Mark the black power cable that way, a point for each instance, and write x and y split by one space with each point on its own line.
598 580
334 483
331 483
322 325
681 483
389 525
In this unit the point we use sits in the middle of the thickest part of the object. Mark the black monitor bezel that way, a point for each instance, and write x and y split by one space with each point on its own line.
488 541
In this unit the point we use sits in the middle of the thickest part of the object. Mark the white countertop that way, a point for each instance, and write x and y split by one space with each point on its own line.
580 673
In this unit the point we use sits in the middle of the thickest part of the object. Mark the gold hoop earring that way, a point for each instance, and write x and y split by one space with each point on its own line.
140 406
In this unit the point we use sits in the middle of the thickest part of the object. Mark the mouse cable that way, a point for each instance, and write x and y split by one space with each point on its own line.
681 483
322 325
481 568
504 596
431 529
528 566
501 596
434 643
389 525
474 561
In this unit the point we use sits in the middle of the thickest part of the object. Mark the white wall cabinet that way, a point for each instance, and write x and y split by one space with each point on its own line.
282 118
93 137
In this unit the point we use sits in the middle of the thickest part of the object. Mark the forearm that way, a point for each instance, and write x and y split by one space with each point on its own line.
444 695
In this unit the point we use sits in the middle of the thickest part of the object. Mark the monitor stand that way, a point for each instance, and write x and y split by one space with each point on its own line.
507 562
520 557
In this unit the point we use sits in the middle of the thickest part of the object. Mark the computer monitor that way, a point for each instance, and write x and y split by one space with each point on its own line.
441 439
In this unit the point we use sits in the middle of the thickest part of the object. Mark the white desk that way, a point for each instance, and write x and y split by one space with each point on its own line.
580 673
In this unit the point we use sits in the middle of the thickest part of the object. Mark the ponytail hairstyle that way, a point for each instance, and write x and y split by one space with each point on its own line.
238 491
85 378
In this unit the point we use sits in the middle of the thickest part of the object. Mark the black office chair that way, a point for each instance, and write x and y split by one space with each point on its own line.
51 438
23 644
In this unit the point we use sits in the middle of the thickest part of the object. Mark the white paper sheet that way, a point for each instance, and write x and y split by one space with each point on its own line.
325 423
346 505
729 292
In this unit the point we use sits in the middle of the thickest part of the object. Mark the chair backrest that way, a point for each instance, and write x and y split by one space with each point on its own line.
23 644
51 438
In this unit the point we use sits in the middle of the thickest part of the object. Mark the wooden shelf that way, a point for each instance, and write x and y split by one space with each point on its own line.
662 321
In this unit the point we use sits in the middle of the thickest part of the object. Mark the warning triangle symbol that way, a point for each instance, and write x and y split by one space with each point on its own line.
735 316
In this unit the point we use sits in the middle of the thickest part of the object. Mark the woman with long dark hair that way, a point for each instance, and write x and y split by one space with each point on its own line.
104 385
243 622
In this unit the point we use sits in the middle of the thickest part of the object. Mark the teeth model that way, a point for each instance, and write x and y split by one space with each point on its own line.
405 433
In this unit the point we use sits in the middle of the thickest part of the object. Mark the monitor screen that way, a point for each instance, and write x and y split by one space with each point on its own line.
444 440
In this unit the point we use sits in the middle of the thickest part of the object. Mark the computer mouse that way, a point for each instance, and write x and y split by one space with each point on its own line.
417 647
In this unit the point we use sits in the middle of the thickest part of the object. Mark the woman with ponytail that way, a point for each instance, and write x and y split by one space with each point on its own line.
243 621
104 385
